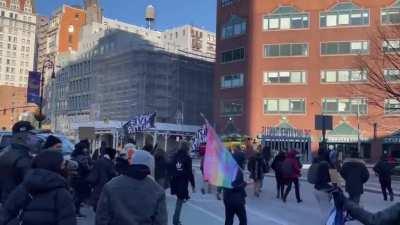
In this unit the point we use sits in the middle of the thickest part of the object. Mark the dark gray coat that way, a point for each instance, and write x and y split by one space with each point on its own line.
356 174
389 216
126 200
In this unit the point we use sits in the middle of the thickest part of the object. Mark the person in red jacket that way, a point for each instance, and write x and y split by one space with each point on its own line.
291 171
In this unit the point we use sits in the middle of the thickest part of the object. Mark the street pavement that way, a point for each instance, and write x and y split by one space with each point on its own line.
266 210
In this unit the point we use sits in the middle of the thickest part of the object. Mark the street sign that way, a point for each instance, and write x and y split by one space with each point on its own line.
323 122
33 93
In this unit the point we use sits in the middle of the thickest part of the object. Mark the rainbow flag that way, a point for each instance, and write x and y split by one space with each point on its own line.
220 168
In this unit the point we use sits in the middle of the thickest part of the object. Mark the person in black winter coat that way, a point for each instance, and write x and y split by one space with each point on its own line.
239 156
235 201
181 176
16 159
79 184
276 165
103 171
42 197
355 173
161 169
257 168
384 170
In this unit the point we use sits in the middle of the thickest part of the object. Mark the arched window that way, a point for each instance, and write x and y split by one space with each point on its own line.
344 14
286 18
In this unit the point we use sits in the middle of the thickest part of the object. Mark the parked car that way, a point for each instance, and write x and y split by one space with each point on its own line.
67 145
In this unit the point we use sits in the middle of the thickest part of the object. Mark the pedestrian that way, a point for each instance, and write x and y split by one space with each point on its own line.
384 171
122 160
389 216
53 142
16 159
43 197
257 168
291 171
79 183
103 171
206 185
266 152
133 198
239 156
100 151
161 168
181 176
276 165
323 187
355 174
235 201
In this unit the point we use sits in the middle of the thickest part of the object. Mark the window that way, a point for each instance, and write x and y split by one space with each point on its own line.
345 48
236 26
392 75
345 106
232 81
231 108
344 76
285 50
344 14
391 46
285 77
226 2
286 18
391 15
392 106
233 55
284 106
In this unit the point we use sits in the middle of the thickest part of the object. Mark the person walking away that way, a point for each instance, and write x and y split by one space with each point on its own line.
122 160
276 165
291 171
355 174
43 197
53 142
384 171
257 168
182 175
16 159
100 151
161 169
103 171
239 156
79 184
202 153
389 216
235 201
323 187
133 198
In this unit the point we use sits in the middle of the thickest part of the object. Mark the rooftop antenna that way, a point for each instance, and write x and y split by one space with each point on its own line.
150 16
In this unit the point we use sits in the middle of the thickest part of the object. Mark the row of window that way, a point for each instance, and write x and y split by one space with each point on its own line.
342 76
331 106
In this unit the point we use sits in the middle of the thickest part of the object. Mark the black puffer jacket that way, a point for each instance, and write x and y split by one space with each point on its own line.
389 216
44 199
356 174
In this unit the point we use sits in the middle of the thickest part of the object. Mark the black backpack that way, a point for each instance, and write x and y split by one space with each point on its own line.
287 168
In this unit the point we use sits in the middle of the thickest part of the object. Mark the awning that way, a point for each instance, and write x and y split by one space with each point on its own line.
392 139
344 133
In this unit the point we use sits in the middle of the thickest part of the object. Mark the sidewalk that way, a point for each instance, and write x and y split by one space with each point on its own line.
371 186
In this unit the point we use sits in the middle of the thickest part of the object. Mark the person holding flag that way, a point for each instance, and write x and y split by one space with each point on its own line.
221 170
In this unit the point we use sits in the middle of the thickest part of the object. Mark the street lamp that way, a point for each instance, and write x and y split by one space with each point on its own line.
48 64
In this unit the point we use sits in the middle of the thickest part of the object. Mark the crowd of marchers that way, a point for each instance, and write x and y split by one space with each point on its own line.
128 187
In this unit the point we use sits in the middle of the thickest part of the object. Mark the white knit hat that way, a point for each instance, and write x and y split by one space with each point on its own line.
143 158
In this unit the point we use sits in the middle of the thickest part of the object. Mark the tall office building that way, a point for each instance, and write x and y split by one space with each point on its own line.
17 41
279 63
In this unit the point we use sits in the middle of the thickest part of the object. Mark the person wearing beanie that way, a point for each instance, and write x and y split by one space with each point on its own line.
124 197
52 142
43 195
102 172
16 159
124 156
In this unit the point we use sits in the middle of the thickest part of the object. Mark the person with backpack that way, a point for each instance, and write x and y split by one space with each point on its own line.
276 165
384 171
43 197
16 159
79 183
257 168
235 200
103 171
355 173
291 171
181 176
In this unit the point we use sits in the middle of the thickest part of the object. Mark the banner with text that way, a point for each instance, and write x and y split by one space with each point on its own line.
140 123
33 93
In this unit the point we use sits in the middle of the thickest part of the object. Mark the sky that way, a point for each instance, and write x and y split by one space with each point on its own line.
170 13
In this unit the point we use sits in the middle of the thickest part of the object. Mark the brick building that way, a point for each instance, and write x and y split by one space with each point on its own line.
281 62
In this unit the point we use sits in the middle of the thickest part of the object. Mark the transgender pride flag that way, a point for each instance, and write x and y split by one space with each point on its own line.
220 168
